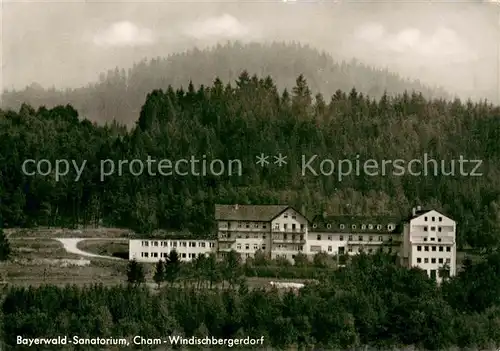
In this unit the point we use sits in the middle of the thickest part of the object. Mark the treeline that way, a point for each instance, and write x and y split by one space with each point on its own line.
5 248
370 302
208 271
241 121
120 93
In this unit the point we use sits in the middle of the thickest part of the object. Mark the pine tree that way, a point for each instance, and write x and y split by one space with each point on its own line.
159 276
172 267
5 250
135 273
231 268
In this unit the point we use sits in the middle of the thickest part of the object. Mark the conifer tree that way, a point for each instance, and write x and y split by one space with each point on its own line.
172 267
5 249
135 273
159 275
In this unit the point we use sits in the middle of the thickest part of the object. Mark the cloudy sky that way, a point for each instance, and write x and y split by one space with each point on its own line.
67 44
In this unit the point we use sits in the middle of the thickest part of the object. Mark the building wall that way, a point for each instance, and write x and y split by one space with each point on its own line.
326 242
432 243
248 247
244 237
406 254
289 235
427 241
154 250
348 243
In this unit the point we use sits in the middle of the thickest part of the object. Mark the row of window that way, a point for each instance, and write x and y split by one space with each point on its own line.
293 227
329 226
440 219
181 244
433 229
286 216
433 239
390 227
263 247
165 255
262 225
257 236
434 248
370 250
240 236
285 237
248 225
318 237
313 248
341 249
247 247
433 260
351 238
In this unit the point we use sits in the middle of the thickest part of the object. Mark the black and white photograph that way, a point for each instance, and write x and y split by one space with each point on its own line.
250 174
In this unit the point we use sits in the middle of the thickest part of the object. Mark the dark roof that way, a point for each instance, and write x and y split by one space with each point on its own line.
257 213
418 213
333 224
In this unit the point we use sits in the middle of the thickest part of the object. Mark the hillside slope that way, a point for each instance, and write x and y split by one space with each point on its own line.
120 94
238 123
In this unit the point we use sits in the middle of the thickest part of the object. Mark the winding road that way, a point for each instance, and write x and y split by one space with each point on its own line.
70 245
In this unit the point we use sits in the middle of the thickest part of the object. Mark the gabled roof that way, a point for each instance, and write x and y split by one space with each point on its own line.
255 213
422 212
344 224
418 213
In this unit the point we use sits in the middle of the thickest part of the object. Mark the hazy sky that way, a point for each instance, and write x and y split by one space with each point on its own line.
454 44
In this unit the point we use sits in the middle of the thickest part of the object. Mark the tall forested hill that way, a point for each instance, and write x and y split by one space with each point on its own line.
241 121
120 94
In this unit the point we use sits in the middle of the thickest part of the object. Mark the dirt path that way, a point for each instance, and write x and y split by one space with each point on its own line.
70 245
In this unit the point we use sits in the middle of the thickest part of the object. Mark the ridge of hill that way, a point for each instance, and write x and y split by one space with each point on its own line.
120 93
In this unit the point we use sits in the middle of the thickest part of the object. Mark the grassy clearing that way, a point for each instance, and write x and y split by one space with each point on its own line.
253 283
43 272
40 274
38 260
103 272
44 261
33 248
111 247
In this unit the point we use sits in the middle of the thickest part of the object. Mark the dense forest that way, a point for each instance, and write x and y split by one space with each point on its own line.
241 120
260 104
120 93
370 302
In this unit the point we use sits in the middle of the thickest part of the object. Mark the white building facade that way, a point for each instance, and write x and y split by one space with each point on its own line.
430 243
340 235
151 251
279 231
427 239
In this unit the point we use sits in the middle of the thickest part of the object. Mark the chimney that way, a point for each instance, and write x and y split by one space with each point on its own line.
419 208
303 210
414 211
236 206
